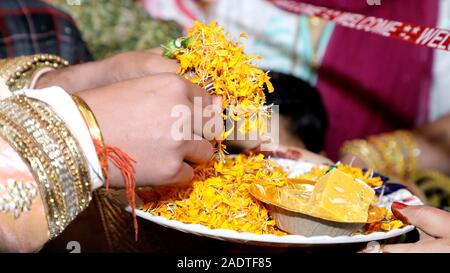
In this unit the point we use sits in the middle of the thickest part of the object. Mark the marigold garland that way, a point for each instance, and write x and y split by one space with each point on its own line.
210 58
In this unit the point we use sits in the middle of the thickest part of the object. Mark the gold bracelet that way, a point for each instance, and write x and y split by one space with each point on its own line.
399 151
24 118
48 147
94 130
397 156
388 151
411 152
69 146
41 168
80 168
435 186
17 73
365 152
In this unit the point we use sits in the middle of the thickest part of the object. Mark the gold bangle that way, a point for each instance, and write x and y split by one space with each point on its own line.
411 152
365 152
435 187
42 170
48 150
94 130
79 167
69 146
17 73
25 118
399 151
385 150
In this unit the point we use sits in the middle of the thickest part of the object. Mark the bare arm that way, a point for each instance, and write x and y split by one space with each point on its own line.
433 140
124 66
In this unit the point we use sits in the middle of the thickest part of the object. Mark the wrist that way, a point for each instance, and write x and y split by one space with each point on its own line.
95 99
53 154
19 73
76 78
44 80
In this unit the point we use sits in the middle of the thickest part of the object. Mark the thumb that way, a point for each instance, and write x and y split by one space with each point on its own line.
432 221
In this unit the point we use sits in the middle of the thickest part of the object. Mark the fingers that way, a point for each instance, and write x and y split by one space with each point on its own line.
206 110
428 246
207 121
198 151
196 93
184 175
432 221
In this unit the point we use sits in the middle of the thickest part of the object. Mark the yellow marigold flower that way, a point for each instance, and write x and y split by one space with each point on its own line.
211 59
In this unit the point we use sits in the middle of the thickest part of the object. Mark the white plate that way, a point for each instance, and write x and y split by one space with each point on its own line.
294 168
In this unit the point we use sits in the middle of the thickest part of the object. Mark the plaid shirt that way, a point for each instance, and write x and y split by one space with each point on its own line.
31 26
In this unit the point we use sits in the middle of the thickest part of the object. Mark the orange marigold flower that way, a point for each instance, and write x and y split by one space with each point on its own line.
219 197
210 58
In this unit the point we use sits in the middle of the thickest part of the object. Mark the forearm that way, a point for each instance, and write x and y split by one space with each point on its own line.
402 153
76 78
121 67
44 155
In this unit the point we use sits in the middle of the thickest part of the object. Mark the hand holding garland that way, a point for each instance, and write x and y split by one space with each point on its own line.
143 107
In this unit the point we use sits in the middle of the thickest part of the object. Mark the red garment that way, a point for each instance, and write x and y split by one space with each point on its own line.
371 84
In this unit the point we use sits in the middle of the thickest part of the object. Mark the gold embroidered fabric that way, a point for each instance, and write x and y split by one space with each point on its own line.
16 196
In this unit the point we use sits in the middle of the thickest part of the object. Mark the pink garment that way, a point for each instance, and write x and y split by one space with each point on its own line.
371 84
12 230
12 165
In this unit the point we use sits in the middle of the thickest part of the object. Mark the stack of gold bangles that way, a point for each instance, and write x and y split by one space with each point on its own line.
45 143
17 73
392 154
53 155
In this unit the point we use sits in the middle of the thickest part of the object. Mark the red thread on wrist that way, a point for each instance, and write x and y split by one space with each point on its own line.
124 163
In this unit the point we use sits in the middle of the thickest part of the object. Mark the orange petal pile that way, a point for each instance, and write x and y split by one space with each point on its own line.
219 197
215 62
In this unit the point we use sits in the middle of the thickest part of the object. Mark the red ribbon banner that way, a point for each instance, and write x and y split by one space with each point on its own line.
416 34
